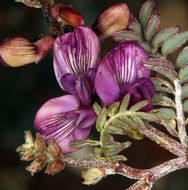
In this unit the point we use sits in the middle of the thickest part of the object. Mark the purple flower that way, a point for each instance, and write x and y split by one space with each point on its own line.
121 72
64 120
69 118
76 57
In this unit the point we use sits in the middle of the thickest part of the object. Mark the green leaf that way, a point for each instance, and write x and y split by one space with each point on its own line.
115 129
128 120
170 126
162 100
148 116
101 120
84 143
115 148
169 73
145 12
125 103
165 113
126 35
145 46
174 43
185 105
139 121
182 58
97 157
97 151
135 26
162 85
117 158
183 73
159 62
139 105
107 137
112 109
185 91
152 26
97 108
164 35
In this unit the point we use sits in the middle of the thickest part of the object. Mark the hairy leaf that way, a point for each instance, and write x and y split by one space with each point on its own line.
165 113
185 90
117 158
174 43
84 143
112 109
164 35
183 73
139 121
185 105
139 105
135 26
126 35
97 108
135 134
162 100
162 85
145 46
182 58
115 129
152 26
167 72
125 103
145 12
147 116
101 120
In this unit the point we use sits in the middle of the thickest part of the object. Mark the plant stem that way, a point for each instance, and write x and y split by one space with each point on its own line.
179 112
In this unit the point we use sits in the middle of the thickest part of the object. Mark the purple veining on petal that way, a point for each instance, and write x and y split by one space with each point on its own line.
75 52
83 90
105 85
89 76
80 134
68 81
123 64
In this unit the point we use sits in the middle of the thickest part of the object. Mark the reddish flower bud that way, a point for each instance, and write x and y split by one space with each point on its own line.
28 156
111 20
66 15
30 3
54 148
55 167
40 142
18 51
35 166
42 157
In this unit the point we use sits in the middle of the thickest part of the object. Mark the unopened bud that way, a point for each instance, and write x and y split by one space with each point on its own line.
28 156
19 51
30 3
66 15
55 167
35 166
42 157
113 19
92 176
28 137
54 149
40 142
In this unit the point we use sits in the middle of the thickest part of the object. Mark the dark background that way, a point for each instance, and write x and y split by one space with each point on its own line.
23 90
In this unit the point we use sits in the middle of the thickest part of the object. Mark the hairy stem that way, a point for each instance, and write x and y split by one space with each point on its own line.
179 112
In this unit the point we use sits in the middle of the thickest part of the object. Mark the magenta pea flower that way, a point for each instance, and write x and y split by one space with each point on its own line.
121 71
69 118
76 57
64 119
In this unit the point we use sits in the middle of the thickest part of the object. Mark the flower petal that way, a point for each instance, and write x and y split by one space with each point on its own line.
81 134
69 81
105 85
51 122
75 53
83 90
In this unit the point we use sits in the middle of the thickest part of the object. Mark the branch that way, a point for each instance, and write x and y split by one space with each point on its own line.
179 112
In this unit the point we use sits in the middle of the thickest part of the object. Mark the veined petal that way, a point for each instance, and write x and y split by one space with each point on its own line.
105 85
75 53
120 66
51 122
83 90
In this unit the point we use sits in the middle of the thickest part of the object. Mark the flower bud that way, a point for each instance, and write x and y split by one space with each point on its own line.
35 166
28 156
18 51
93 175
55 167
113 19
40 142
42 157
54 149
29 3
66 15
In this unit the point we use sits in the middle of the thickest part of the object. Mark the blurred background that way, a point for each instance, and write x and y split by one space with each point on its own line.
23 90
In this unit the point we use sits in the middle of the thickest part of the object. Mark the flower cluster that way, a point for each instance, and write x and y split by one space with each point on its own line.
80 72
